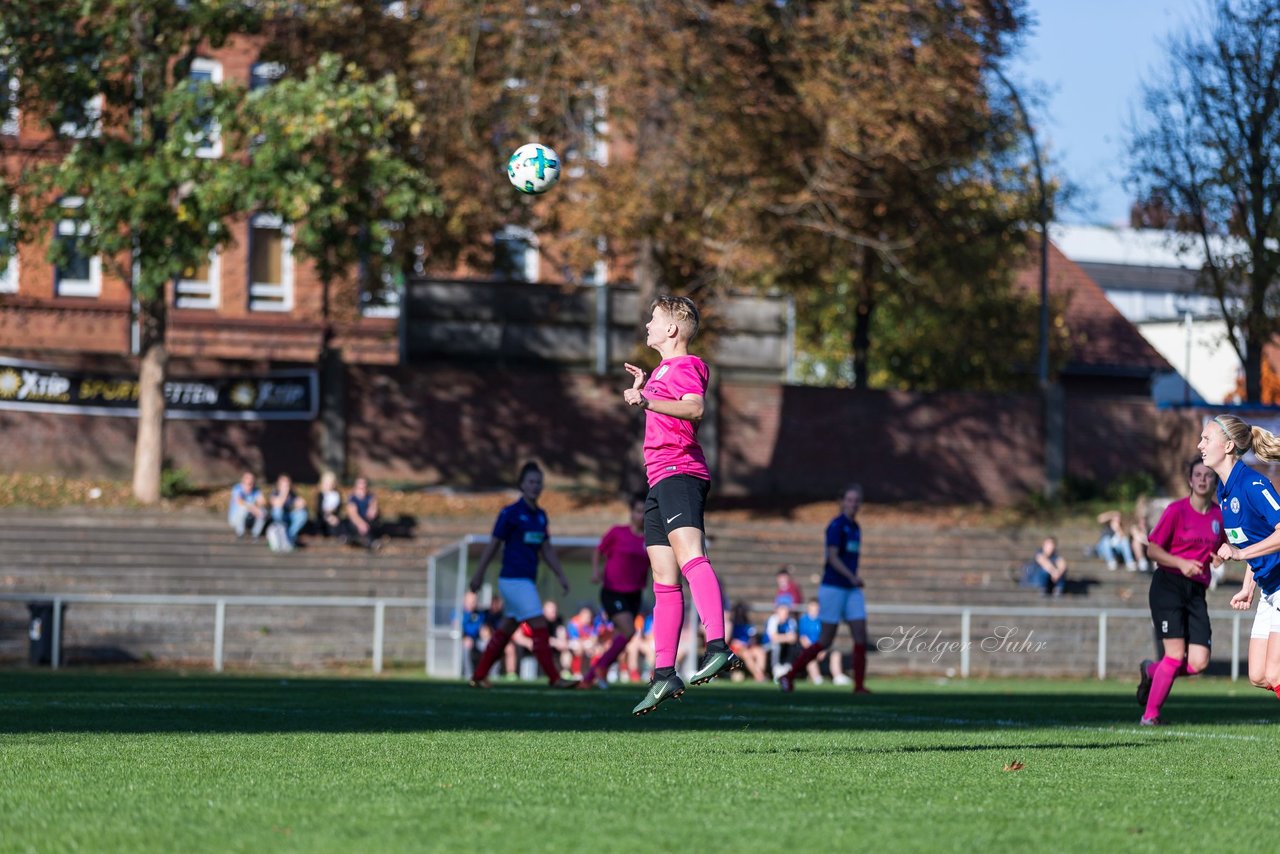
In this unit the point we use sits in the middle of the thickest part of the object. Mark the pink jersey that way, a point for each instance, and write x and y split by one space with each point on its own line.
626 563
671 444
1183 532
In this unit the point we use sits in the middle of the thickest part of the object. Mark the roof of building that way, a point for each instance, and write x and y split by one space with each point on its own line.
1102 340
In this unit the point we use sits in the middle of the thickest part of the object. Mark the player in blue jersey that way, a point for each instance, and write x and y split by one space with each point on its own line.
840 596
1251 520
521 532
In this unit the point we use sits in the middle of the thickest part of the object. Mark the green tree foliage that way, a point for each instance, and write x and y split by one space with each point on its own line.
1205 157
848 152
312 149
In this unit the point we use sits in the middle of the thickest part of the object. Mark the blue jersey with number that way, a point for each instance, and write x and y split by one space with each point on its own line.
846 536
1250 514
522 529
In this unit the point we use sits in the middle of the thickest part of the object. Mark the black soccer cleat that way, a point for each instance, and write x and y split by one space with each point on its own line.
1144 681
715 664
661 689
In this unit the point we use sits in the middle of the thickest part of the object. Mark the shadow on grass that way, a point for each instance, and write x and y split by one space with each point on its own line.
164 702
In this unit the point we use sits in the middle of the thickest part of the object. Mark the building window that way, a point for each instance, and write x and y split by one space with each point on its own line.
209 140
515 254
263 74
8 101
198 286
381 280
81 120
8 269
78 274
589 140
270 265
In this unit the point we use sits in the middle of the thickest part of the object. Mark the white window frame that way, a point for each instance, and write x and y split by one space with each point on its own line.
93 113
203 65
194 293
265 296
65 287
264 74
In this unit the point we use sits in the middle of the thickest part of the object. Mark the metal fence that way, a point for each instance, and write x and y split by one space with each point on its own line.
448 571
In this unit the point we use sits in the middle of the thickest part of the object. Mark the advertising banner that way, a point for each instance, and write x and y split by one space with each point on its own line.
274 396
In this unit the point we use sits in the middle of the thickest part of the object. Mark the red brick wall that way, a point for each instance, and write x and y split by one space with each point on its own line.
466 425
800 441
450 424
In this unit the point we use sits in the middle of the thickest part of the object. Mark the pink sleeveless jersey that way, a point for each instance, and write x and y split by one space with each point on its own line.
626 563
671 444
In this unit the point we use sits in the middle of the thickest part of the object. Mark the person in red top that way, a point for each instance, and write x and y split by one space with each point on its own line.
1184 545
624 571
788 591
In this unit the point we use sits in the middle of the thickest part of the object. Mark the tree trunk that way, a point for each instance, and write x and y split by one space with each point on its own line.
863 306
1253 368
646 279
148 457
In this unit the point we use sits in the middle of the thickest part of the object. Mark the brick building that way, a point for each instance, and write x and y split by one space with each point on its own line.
474 379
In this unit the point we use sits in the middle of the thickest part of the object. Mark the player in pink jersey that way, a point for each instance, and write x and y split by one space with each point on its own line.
679 481
624 573
1184 545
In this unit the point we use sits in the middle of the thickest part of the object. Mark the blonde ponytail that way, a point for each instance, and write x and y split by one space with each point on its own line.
1266 445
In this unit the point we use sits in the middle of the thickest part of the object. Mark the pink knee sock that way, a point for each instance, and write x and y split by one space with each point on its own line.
1162 675
705 587
668 620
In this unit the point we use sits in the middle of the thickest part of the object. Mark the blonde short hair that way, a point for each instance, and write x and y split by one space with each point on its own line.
680 309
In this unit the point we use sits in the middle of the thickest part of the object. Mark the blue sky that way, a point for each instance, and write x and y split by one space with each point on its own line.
1083 62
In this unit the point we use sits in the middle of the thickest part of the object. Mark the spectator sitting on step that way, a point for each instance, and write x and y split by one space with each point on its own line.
288 509
781 639
1048 569
788 591
1115 544
744 640
329 507
362 515
247 503
809 627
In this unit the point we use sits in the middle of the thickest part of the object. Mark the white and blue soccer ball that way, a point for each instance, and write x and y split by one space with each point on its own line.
533 168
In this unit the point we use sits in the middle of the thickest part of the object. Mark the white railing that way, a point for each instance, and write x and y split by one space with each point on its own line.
448 570
1102 615
219 603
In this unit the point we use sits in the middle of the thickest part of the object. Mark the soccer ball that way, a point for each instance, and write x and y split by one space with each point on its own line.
533 168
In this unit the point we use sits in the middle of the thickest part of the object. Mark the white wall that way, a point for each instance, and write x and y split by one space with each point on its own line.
1214 365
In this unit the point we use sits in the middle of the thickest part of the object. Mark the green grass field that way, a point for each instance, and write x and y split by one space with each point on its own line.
146 761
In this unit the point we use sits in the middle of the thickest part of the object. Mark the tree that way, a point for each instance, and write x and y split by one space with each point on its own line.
1205 152
157 195
766 145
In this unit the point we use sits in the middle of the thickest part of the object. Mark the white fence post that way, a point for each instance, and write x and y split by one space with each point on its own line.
1235 647
1102 645
379 620
965 617
219 629
57 633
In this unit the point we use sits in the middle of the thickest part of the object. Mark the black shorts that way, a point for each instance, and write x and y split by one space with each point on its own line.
1178 608
615 602
674 502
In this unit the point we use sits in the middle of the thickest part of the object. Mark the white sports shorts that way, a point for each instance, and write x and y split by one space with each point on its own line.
1267 620
520 599
841 604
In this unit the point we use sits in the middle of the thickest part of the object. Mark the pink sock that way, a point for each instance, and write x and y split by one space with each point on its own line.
600 669
668 621
705 587
1166 670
